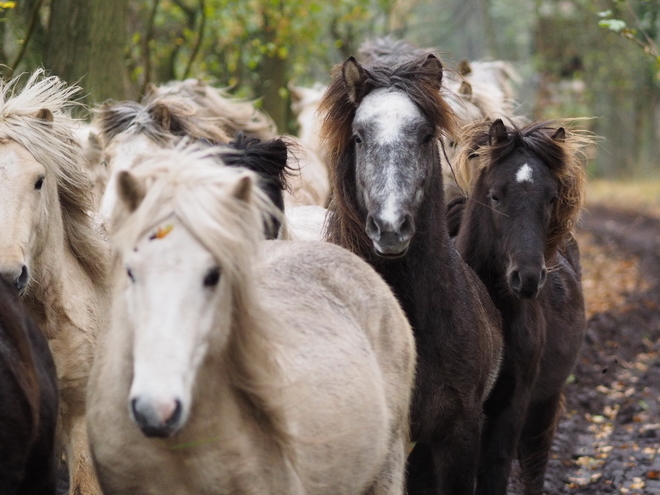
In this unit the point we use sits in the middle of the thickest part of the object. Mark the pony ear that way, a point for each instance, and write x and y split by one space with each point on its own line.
464 68
355 79
433 64
131 191
45 115
497 133
559 135
243 188
163 116
466 89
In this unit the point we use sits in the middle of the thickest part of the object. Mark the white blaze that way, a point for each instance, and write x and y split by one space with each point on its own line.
524 174
390 111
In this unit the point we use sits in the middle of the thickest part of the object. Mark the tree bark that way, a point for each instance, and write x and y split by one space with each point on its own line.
85 45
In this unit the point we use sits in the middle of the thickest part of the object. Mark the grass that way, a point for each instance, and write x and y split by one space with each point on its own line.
634 194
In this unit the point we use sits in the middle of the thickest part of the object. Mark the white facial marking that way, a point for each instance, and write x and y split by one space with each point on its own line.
389 111
524 174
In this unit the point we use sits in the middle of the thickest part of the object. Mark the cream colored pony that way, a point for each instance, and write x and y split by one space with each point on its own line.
308 186
48 248
129 131
237 365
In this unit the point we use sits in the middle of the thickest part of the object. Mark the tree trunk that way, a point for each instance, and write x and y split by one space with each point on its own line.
107 74
86 46
273 78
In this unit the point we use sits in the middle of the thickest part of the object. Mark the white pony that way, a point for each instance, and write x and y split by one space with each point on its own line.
48 247
238 365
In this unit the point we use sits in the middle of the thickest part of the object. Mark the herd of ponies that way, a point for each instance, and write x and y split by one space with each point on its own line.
190 303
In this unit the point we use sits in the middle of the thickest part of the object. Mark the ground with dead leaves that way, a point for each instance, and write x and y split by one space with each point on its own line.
609 438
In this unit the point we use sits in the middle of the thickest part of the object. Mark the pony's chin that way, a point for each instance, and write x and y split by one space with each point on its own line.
391 256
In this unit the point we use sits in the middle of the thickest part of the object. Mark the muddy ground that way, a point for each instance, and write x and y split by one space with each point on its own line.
608 440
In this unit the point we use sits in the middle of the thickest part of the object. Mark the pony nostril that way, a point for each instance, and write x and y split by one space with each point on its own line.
407 228
515 281
176 415
372 228
22 279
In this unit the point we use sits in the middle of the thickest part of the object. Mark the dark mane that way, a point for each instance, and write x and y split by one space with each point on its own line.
565 159
338 112
268 159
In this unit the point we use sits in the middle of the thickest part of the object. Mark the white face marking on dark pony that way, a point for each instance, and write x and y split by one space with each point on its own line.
389 116
524 174
389 111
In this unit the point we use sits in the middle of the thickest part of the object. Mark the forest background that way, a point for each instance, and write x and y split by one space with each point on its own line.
576 58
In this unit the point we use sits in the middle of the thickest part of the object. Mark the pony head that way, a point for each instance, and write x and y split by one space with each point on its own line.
529 189
382 124
186 237
129 131
44 193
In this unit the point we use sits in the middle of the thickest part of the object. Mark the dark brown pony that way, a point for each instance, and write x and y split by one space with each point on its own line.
381 128
28 402
516 232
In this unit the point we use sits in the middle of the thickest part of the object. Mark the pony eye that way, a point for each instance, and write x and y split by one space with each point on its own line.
427 139
130 274
495 198
39 184
212 277
358 139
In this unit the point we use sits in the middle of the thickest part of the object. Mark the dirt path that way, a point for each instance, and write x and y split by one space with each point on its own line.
609 438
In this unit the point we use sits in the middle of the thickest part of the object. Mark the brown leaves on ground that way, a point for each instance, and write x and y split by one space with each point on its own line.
608 276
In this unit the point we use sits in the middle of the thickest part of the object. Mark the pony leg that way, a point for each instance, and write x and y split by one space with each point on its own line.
536 441
82 478
456 457
498 446
448 463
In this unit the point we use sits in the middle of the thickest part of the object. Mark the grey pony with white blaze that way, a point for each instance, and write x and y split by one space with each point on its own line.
394 142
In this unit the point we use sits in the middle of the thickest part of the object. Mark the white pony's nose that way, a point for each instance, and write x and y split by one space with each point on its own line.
16 274
156 418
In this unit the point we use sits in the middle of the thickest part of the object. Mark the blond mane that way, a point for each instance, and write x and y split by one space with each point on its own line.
164 119
200 196
53 144
232 114
565 159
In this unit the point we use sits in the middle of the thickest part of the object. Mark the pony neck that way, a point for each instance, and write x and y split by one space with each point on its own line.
63 293
422 276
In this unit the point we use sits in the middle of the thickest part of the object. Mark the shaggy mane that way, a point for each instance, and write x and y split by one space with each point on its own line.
54 145
162 119
199 195
232 114
564 159
345 226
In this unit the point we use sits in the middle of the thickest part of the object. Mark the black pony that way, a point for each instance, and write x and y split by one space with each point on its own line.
515 231
381 126
28 402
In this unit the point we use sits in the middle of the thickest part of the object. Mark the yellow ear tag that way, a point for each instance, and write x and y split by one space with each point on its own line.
162 232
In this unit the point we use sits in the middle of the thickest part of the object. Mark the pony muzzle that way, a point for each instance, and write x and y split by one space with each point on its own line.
160 419
527 282
16 274
390 239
